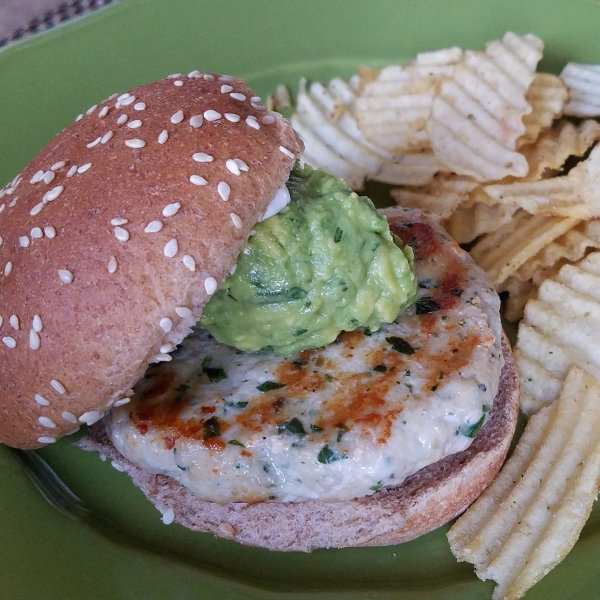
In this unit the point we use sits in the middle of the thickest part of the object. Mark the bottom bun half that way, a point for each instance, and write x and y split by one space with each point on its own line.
424 501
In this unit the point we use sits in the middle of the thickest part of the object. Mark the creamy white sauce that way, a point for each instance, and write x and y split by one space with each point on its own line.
279 202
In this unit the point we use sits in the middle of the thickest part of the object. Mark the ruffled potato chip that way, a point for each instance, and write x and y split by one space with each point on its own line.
583 83
477 116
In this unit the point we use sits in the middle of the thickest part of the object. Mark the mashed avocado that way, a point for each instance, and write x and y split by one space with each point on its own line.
326 263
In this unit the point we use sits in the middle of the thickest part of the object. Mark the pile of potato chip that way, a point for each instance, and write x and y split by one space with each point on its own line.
505 158
481 142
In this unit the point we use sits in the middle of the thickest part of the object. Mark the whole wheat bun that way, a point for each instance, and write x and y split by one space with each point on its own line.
90 291
424 501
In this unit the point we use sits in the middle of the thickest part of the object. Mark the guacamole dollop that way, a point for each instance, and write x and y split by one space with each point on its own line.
326 263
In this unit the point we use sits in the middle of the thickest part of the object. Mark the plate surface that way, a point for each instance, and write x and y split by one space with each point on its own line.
45 82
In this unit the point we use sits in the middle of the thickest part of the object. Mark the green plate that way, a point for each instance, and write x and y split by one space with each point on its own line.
45 82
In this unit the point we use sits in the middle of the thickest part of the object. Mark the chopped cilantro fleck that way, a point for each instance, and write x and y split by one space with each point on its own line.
206 361
327 455
267 386
293 426
377 486
338 235
211 428
426 305
214 374
470 429
236 443
328 377
380 368
400 345
316 428
485 408
409 386
342 429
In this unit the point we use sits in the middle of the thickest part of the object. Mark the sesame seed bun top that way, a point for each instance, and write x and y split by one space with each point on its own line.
114 237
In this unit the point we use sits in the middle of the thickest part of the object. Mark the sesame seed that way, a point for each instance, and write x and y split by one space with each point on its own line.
171 209
177 117
113 96
212 115
91 417
232 166
37 323
178 83
237 96
37 177
8 267
122 119
14 322
168 516
34 340
123 97
53 194
135 143
2 208
41 400
72 171
122 402
233 269
78 117
225 89
196 121
163 136
118 221
189 262
226 528
255 99
237 222
252 122
161 358
128 101
241 164
286 151
49 231
134 124
1 240
194 73
48 176
208 77
117 466
112 265
95 142
37 233
37 209
9 341
69 416
57 386
210 285
153 227
232 117
226 78
183 311
139 106
202 157
166 324
174 76
65 275
198 180
58 165
107 137
46 439
171 248
91 109
103 112
47 422
14 201
121 234
224 190
268 120
24 241
166 348
84 168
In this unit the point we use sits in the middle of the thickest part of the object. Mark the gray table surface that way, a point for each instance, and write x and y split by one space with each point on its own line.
19 18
